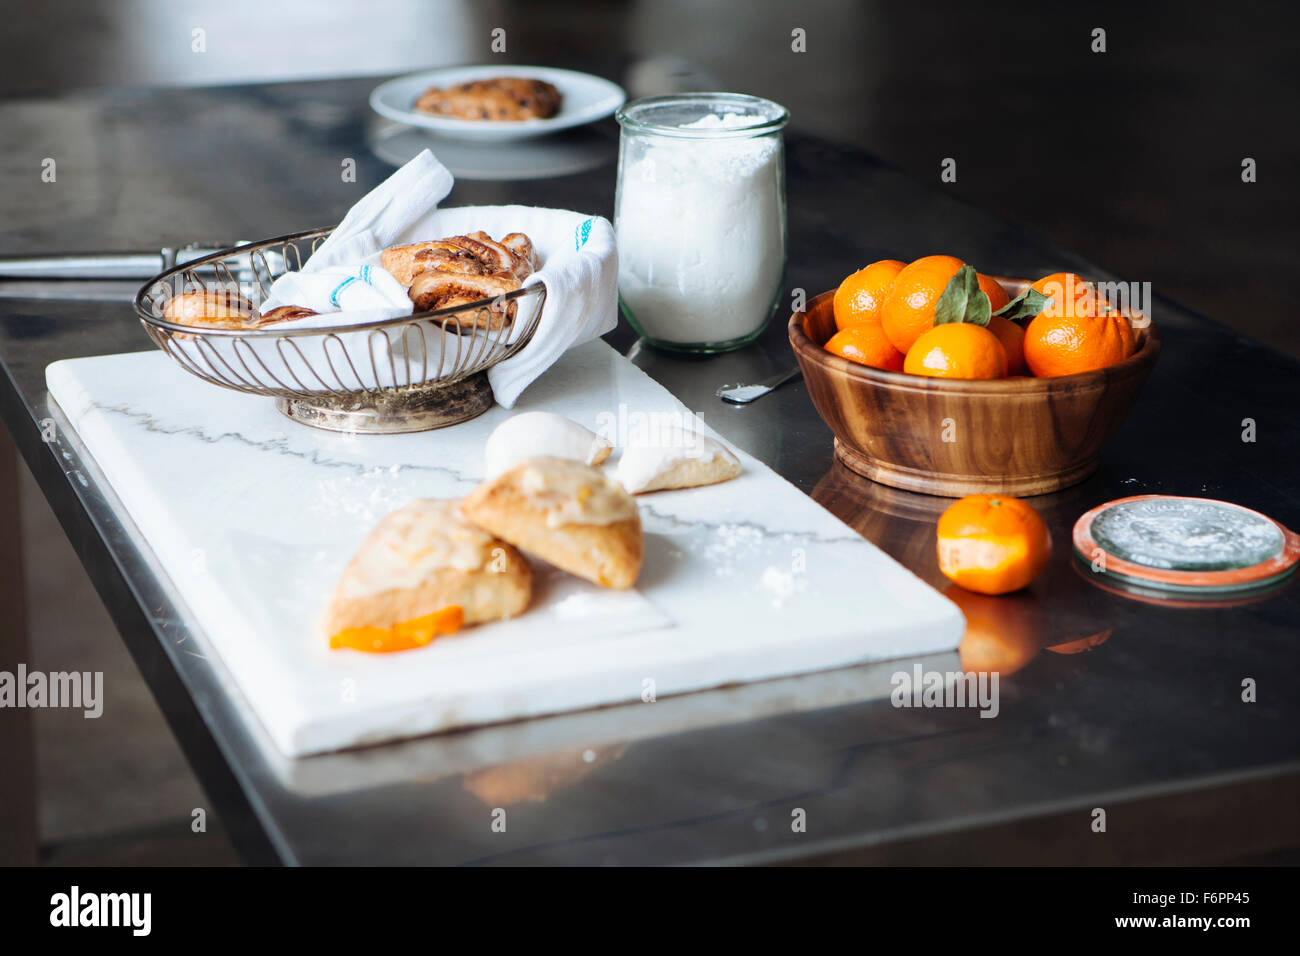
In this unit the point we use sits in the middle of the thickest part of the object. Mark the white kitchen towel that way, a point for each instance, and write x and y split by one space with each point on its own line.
581 305
577 263
343 275
386 212
340 291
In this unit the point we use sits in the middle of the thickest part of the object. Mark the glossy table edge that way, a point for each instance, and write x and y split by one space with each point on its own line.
1148 806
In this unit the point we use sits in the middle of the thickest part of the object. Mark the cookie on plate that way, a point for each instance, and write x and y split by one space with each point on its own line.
568 514
499 98
422 559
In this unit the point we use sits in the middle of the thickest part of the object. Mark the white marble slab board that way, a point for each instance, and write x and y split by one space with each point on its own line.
254 516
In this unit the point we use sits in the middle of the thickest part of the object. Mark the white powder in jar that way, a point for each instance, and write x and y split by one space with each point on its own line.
701 232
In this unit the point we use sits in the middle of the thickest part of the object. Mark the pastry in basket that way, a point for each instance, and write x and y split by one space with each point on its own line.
677 459
423 571
225 310
531 434
474 254
458 270
567 514
285 313
501 98
213 309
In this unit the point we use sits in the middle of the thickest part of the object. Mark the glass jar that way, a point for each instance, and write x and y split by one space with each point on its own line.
700 218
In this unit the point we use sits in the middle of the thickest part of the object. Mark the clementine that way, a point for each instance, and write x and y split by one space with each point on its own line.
908 309
1082 339
859 297
997 295
1124 323
866 344
992 544
1065 289
1012 338
957 350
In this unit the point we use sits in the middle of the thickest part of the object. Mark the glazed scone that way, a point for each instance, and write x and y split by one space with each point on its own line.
679 459
421 559
533 434
567 514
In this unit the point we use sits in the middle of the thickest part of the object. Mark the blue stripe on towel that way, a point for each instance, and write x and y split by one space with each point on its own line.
334 296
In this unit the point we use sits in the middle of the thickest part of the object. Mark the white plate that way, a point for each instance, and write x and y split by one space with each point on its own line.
585 99
565 154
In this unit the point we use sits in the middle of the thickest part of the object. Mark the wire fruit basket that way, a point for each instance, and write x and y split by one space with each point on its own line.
405 374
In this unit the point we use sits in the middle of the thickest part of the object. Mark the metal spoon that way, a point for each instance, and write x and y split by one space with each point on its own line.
741 394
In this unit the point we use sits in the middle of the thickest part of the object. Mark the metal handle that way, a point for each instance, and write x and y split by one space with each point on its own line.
83 265
102 265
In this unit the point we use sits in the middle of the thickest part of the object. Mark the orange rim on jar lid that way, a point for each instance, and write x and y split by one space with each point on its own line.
1192 546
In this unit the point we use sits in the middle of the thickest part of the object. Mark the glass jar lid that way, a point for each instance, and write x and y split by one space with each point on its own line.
703 115
1187 545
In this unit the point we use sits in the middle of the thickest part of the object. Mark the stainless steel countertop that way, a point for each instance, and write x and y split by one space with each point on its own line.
1153 714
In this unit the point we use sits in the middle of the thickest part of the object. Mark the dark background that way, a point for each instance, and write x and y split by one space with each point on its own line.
1132 156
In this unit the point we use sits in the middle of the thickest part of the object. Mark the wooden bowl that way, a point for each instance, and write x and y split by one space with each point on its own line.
1020 436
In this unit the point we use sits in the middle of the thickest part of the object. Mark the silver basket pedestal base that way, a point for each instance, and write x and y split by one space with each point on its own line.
393 411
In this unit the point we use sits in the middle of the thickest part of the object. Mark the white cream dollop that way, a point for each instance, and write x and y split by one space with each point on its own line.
537 434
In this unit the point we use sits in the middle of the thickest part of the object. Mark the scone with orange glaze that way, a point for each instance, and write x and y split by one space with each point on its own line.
423 571
568 514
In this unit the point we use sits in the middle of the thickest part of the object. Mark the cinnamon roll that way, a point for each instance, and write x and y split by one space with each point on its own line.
461 270
436 289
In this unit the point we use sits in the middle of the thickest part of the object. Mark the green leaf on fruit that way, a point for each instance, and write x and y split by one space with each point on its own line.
1024 306
978 308
952 303
963 300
